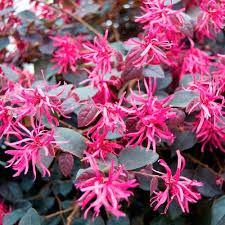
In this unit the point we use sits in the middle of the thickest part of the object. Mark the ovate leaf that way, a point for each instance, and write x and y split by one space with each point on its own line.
85 92
118 221
182 98
76 142
13 217
87 115
153 185
218 211
136 158
4 41
30 218
66 162
9 73
153 71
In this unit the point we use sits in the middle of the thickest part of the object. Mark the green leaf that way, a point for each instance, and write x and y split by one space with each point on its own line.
49 71
153 71
182 98
52 221
30 218
65 188
184 140
7 10
13 76
218 211
121 221
168 2
114 135
76 142
4 41
184 82
13 217
26 14
85 92
60 89
136 158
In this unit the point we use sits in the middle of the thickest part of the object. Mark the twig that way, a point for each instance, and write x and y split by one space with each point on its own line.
58 213
200 163
75 5
77 18
72 214
116 34
60 208
147 174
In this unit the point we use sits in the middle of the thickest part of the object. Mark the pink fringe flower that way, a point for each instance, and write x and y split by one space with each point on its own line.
68 53
195 61
99 53
6 118
28 149
150 50
100 147
112 118
151 116
210 132
101 190
211 19
177 187
210 102
38 102
160 18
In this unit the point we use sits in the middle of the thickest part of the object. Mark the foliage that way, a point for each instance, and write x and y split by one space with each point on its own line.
112 112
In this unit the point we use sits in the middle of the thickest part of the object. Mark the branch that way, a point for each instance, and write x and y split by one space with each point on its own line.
201 163
72 214
58 213
77 18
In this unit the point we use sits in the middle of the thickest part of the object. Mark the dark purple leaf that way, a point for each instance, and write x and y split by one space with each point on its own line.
66 162
153 185
87 115
84 174
131 73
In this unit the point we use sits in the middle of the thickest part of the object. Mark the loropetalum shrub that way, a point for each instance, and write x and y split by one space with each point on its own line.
104 104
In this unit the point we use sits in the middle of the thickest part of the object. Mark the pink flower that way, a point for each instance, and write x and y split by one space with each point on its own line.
210 102
211 20
158 17
68 53
99 53
210 132
100 147
151 116
101 190
195 61
38 102
112 118
6 118
177 187
28 148
150 50
3 211
25 78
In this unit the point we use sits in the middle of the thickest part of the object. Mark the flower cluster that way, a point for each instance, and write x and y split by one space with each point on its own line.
136 98
21 101
68 53
151 117
106 191
211 19
177 187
